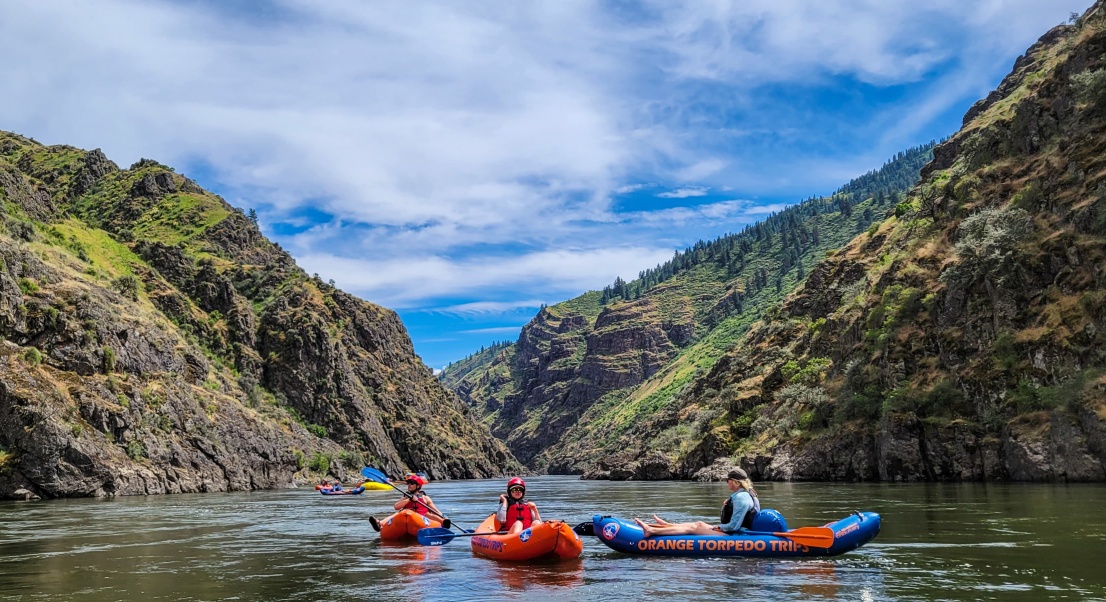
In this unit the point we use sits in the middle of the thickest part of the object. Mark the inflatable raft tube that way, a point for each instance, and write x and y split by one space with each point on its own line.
842 536
405 524
327 491
550 539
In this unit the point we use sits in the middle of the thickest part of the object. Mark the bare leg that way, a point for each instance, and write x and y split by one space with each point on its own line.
661 522
515 528
696 528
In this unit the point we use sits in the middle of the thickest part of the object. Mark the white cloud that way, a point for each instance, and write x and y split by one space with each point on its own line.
494 330
436 133
480 308
683 193
628 188
556 274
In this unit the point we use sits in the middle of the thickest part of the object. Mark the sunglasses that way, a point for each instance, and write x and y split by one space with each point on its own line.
514 489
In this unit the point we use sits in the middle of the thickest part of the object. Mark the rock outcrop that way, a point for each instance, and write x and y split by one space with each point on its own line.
584 373
959 336
156 342
961 339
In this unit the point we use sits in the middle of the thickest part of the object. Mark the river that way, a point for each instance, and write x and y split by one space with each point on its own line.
939 542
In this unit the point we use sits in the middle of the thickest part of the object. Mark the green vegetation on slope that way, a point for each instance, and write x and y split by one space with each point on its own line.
607 359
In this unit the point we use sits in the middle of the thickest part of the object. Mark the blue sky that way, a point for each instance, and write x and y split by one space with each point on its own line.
464 162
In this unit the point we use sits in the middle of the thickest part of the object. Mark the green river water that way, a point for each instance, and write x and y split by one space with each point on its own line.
939 542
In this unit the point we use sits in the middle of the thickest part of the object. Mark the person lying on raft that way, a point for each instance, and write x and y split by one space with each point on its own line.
515 511
737 513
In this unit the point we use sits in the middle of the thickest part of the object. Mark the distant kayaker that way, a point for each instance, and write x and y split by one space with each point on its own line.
737 513
515 511
417 500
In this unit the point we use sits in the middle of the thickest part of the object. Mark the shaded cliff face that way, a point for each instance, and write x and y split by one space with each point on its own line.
961 339
156 342
584 373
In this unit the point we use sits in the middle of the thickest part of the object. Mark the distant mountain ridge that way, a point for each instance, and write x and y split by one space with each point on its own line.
607 358
963 337
156 342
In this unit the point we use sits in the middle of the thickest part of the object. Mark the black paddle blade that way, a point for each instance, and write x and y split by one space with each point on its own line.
585 529
375 523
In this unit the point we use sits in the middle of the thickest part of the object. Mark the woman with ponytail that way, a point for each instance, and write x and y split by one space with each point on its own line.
737 513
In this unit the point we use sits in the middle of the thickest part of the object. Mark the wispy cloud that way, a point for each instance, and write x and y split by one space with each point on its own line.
629 188
683 193
455 153
477 308
406 282
494 330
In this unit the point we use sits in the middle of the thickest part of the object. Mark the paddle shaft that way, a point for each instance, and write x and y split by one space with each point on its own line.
478 534
814 537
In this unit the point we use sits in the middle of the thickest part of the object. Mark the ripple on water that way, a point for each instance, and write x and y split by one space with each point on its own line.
947 542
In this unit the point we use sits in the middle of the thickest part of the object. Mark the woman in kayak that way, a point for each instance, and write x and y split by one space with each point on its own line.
737 513
415 499
515 511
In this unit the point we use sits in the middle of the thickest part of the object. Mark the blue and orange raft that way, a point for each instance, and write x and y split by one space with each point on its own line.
839 537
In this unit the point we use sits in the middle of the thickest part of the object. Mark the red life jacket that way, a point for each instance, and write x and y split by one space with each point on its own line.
420 508
518 512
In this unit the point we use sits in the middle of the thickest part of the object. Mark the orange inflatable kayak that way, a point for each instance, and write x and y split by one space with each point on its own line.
406 524
550 539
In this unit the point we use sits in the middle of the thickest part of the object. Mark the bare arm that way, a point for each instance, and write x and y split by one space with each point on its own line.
534 510
430 504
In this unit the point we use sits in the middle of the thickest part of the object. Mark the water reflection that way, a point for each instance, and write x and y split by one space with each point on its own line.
408 558
949 542
520 576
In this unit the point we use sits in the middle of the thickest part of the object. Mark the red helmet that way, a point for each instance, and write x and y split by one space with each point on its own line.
516 482
416 479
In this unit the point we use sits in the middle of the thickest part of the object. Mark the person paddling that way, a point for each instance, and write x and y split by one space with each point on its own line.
414 500
737 513
515 511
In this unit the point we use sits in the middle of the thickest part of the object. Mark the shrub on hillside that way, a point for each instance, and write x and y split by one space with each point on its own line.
987 247
128 286
1090 87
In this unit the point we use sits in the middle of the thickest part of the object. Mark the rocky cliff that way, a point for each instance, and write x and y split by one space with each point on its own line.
584 372
156 342
962 338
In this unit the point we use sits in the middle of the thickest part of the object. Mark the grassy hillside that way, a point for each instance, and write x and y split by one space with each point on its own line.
584 370
182 351
960 338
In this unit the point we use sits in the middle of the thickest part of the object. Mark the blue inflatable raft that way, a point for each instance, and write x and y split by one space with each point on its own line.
357 491
835 538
